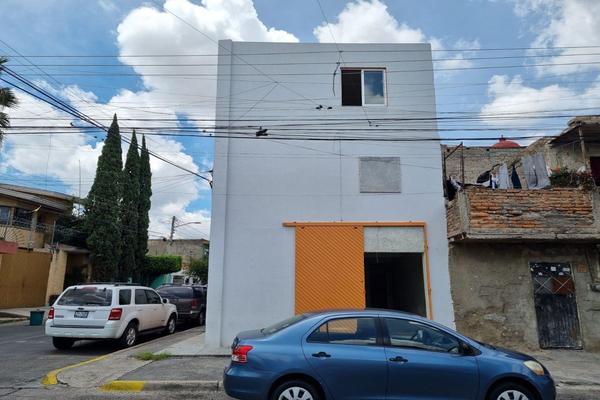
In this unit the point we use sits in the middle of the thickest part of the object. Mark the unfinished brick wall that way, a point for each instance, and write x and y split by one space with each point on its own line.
515 214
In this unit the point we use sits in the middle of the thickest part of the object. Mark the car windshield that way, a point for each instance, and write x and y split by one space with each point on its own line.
283 324
86 296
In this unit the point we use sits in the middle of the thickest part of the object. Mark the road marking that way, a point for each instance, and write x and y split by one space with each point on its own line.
51 377
123 386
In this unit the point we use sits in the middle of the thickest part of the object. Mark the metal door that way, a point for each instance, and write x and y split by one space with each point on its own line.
555 305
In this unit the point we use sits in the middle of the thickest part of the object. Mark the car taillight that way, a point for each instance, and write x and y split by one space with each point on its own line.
51 313
240 353
115 314
194 303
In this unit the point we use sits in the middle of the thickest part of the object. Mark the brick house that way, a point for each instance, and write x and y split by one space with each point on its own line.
524 263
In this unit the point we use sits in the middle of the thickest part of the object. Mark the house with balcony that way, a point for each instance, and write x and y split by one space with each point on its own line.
33 266
524 250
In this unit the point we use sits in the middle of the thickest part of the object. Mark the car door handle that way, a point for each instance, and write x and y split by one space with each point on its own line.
321 354
398 359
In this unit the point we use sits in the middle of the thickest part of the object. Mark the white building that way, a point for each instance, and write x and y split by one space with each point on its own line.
309 224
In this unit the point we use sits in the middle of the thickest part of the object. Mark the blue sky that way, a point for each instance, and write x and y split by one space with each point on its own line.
113 28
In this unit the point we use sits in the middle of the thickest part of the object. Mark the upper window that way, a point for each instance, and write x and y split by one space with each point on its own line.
404 333
86 296
4 215
357 331
363 87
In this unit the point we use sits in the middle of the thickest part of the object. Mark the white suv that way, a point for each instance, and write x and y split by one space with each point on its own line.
108 311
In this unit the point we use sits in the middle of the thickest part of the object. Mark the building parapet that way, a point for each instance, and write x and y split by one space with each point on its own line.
480 214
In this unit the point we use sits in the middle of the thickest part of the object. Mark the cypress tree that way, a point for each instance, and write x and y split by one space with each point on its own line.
102 220
143 207
129 211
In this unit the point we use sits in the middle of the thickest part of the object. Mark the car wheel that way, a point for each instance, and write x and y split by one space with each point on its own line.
171 325
130 335
295 390
511 391
62 343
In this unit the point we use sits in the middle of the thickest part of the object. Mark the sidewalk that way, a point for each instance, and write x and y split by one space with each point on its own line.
8 315
188 366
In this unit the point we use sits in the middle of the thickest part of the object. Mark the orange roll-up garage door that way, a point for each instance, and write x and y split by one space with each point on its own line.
329 267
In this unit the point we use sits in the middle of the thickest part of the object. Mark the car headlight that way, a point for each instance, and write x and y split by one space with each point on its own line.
535 367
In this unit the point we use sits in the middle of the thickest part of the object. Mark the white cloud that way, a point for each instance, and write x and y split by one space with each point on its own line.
563 23
510 96
369 21
147 30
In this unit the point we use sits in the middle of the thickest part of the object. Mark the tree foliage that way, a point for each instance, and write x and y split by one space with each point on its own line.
199 269
7 100
103 206
143 221
165 264
129 211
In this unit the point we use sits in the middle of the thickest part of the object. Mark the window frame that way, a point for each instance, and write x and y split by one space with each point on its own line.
135 297
388 343
156 294
362 86
379 338
131 297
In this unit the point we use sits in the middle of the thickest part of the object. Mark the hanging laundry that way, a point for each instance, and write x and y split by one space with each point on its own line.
503 177
541 171
529 171
514 177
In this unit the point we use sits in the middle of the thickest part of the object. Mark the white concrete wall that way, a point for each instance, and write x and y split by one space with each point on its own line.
261 183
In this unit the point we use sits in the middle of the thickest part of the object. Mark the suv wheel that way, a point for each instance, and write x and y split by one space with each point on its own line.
129 336
62 343
511 391
295 390
171 325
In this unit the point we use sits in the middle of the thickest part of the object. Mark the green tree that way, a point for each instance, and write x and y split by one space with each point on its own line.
143 206
7 100
103 208
199 269
129 211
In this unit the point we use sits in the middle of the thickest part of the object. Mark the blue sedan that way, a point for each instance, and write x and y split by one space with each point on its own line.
376 354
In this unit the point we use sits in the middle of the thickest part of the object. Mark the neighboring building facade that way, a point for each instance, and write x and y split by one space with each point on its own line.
187 249
524 263
304 225
32 270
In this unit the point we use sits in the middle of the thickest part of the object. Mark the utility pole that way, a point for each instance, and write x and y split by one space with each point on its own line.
173 222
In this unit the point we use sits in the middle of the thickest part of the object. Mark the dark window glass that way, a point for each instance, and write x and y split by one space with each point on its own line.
140 296
351 87
86 296
357 331
124 297
22 218
153 298
179 292
404 333
4 215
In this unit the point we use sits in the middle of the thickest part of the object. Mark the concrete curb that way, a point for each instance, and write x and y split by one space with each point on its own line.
139 386
51 377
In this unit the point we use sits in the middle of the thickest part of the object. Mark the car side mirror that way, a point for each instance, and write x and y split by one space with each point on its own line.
165 301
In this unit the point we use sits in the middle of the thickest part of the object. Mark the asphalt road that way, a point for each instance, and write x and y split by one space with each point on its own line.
28 355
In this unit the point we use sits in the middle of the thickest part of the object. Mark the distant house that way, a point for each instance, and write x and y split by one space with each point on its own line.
32 265
187 249
524 262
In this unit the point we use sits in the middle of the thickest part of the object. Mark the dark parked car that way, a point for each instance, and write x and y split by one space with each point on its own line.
189 300
377 354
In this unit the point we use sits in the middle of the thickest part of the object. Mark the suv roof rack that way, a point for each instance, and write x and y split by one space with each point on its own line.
111 283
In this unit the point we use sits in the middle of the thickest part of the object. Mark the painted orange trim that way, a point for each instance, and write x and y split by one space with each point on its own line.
420 224
360 223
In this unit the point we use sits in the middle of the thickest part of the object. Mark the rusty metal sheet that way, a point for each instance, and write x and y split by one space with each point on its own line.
329 267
